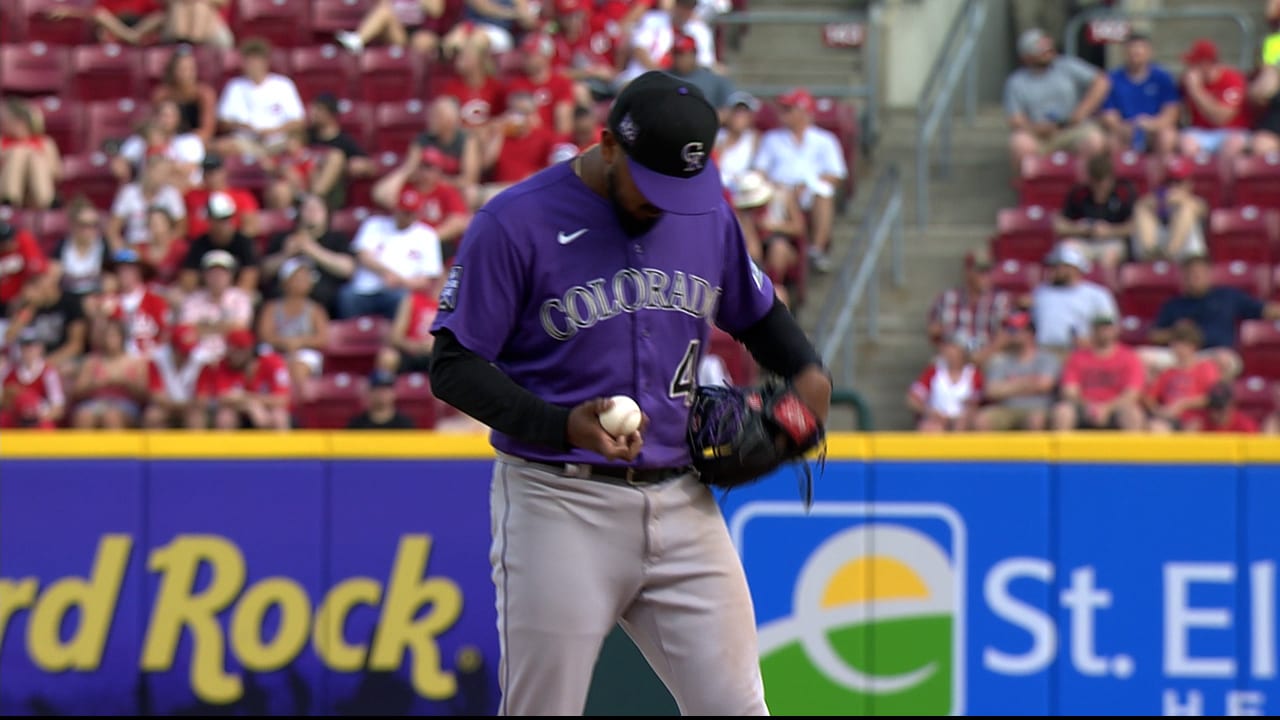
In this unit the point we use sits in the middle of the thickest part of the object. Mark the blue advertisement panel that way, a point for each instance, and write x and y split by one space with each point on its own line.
237 573
409 557
1259 692
1146 578
72 577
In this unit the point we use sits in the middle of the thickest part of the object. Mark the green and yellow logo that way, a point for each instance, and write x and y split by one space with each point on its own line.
876 619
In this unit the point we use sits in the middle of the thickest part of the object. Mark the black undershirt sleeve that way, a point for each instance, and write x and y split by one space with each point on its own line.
778 343
478 388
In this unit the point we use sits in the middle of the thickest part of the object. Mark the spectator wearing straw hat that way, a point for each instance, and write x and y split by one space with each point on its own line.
773 225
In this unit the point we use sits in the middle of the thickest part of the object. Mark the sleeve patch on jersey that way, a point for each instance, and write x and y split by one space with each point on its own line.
449 294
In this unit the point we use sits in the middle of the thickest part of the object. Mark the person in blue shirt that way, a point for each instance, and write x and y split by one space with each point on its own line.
1141 111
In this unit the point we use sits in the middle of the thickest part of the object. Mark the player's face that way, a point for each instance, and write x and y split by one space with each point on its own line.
636 214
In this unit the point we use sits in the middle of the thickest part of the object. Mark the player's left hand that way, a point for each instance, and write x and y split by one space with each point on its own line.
814 388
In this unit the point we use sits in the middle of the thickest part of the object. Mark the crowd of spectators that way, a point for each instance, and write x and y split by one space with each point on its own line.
1137 286
249 257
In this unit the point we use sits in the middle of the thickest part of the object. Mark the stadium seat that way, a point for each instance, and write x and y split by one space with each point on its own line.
283 23
322 69
768 116
415 399
63 121
271 223
360 190
111 121
398 123
1256 181
34 68
347 220
1015 276
330 16
388 73
1251 278
1260 348
356 118
28 220
1144 287
1255 396
244 171
1133 167
155 60
1243 233
1045 181
1023 233
1107 277
841 118
50 228
1134 330
452 15
1275 283
105 72
88 174
337 397
41 27
1207 180
354 344
13 23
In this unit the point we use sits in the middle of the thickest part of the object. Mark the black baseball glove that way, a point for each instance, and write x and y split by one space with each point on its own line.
737 435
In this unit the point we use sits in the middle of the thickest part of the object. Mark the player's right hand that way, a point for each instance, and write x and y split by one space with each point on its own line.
585 431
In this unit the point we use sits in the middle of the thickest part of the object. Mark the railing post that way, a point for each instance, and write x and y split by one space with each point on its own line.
899 270
944 151
971 71
873 71
873 306
922 182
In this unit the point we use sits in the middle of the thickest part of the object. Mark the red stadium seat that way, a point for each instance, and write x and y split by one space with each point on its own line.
337 397
34 68
1256 396
1253 279
1144 287
40 26
347 220
1257 181
283 23
111 120
451 16
1207 180
1134 330
1015 276
767 117
155 60
88 174
1244 233
398 123
244 171
1105 276
841 118
357 119
414 399
322 69
63 121
1275 283
389 73
1133 167
13 23
51 227
1046 180
360 190
1260 348
330 16
1023 233
28 220
271 223
105 72
354 344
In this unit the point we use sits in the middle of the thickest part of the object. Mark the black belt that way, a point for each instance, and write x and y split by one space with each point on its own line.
619 473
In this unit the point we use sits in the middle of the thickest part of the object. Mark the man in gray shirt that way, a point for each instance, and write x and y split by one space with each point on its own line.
684 65
1065 305
1018 381
1050 101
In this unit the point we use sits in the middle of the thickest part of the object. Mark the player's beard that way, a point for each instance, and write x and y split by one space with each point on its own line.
631 225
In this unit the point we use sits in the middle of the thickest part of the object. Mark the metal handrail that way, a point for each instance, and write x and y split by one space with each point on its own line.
933 110
869 116
859 277
1248 30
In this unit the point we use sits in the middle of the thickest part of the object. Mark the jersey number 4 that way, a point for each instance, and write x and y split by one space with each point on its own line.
685 380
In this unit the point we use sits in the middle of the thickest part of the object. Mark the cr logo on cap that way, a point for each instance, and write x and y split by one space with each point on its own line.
694 156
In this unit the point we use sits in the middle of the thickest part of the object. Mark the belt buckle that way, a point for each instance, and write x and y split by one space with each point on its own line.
631 477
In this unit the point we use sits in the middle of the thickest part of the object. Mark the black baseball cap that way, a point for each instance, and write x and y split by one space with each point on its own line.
667 129
382 379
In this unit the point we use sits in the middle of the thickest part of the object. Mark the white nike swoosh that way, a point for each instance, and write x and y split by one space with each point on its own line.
565 239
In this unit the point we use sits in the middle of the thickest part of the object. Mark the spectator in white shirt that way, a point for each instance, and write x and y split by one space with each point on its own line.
162 135
397 254
809 159
260 107
1065 305
218 307
655 34
128 223
737 141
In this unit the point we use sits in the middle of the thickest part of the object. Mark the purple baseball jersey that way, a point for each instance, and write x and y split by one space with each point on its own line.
548 287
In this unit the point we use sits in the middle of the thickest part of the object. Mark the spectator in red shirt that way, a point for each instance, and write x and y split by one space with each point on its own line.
1179 391
111 383
143 312
443 207
1220 414
553 92
216 181
1215 95
171 380
522 149
584 53
475 86
1101 384
410 344
31 376
29 159
246 389
26 413
946 396
20 260
165 249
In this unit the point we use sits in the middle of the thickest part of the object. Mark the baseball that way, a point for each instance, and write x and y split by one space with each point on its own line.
622 418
